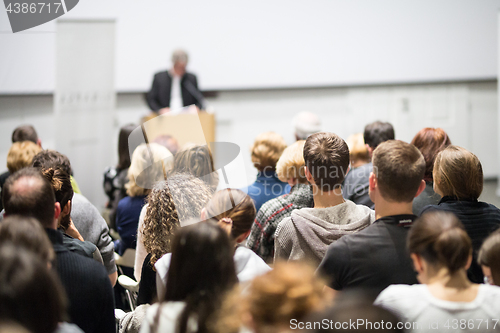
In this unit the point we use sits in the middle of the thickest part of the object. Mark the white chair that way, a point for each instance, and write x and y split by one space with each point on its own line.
130 285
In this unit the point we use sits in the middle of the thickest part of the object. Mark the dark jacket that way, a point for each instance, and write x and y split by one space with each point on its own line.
159 95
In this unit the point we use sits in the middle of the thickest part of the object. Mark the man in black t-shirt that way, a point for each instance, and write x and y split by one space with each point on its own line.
376 256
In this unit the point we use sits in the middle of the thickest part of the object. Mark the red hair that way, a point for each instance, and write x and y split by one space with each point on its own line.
430 141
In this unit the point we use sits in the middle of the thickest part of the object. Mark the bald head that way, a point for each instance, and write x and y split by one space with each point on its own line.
28 193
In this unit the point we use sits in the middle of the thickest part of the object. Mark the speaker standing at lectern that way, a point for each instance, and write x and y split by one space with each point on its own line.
175 88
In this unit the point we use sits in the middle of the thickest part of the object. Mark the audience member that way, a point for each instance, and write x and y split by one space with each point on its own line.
489 258
356 179
235 212
85 216
266 151
115 178
353 312
170 202
201 274
376 257
198 161
28 193
28 233
430 141
308 232
441 252
356 184
63 191
282 297
30 294
141 172
168 142
304 124
290 169
458 178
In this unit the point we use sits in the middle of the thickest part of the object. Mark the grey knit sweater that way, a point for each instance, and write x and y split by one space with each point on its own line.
307 233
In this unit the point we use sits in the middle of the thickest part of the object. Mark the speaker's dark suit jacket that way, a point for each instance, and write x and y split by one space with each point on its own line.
159 95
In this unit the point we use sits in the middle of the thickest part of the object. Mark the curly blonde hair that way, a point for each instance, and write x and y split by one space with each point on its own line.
180 197
266 150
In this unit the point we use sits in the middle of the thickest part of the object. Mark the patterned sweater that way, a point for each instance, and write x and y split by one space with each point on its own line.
261 239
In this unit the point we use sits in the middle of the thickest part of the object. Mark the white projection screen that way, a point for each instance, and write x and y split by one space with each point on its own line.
273 44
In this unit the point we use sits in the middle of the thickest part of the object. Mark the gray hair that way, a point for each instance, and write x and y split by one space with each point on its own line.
179 56
306 123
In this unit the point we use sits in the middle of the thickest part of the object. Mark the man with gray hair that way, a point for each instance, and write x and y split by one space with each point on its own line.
304 124
175 88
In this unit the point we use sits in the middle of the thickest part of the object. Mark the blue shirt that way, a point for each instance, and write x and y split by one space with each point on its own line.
127 221
267 186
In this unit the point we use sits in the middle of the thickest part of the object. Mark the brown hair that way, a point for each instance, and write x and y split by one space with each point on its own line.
458 173
441 240
123 146
430 141
289 291
180 197
378 132
27 232
38 202
233 204
326 156
266 150
399 168
291 163
198 161
52 159
21 155
489 255
25 133
357 148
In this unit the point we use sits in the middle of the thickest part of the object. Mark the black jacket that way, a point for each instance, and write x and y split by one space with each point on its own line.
159 95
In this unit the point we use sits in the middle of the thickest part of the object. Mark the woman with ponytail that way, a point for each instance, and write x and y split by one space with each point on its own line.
441 252
234 212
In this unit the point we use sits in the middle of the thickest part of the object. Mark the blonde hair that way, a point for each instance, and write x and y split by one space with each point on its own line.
21 155
266 150
291 163
357 148
458 172
289 291
142 173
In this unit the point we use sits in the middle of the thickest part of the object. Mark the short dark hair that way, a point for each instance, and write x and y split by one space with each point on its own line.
47 159
25 133
38 201
399 168
326 156
378 132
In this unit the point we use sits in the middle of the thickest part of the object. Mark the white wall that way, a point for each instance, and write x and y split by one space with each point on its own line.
467 111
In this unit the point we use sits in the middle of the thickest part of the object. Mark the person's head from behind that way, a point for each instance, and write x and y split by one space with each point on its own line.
168 142
304 124
123 146
201 272
291 164
28 193
179 62
349 307
61 183
21 155
458 173
266 151
290 291
489 258
358 152
30 293
26 133
377 132
47 159
198 161
430 141
171 202
28 233
326 157
150 164
437 240
398 171
234 210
